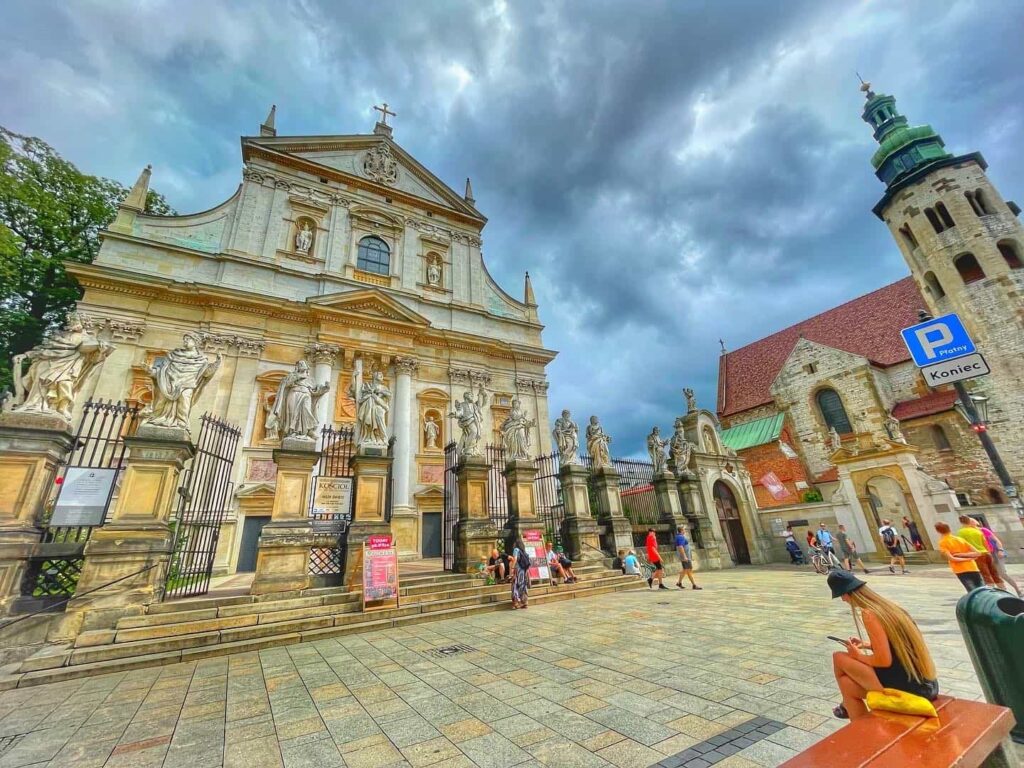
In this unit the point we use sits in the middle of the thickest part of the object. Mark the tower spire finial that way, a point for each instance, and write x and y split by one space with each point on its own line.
865 87
528 297
469 193
136 199
267 126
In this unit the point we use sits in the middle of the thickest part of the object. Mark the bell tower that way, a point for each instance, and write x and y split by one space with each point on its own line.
965 248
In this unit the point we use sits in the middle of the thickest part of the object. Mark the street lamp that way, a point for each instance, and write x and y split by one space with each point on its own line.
980 403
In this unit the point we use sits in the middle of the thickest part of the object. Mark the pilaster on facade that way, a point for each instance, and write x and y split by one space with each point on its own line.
467 376
231 344
318 352
406 365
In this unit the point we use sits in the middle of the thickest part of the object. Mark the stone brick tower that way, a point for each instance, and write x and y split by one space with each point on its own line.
965 249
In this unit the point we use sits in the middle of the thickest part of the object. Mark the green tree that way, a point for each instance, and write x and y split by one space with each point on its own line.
50 213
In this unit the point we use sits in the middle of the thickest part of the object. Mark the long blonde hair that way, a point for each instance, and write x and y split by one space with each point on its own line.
905 638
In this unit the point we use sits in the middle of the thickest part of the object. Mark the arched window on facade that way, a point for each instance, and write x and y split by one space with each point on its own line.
947 220
1011 254
939 438
969 268
934 285
995 496
374 256
908 236
833 412
933 219
979 202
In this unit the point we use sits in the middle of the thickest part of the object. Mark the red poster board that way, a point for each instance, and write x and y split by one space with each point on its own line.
534 540
380 571
774 486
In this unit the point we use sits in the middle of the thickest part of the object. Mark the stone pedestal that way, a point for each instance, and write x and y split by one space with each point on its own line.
579 529
282 559
522 501
32 446
619 531
709 554
370 467
670 511
474 534
138 534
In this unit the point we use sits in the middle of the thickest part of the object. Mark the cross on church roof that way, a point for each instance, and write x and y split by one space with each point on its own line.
384 112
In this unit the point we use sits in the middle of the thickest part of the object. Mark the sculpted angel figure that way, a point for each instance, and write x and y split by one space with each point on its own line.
691 400
304 238
515 433
470 416
58 368
294 413
179 378
680 449
656 450
373 402
567 439
597 444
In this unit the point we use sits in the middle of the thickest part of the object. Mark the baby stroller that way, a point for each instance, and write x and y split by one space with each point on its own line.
796 555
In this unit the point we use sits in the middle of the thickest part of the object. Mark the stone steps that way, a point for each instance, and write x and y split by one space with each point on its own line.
172 636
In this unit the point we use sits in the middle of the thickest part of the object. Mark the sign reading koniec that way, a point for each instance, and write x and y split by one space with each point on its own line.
83 498
955 370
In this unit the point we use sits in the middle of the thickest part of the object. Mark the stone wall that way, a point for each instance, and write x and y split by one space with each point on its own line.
773 521
762 459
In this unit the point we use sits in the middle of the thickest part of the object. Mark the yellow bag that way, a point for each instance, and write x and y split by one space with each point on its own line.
892 700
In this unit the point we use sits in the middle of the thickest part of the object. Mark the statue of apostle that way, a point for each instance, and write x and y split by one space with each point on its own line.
691 400
304 238
470 416
295 406
431 430
567 439
58 368
680 449
892 426
178 380
656 450
373 402
515 433
597 444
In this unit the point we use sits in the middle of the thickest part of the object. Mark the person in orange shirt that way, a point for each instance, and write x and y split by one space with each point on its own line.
961 557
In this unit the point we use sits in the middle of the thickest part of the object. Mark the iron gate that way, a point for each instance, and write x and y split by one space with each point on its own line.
450 516
202 503
330 529
51 574
547 488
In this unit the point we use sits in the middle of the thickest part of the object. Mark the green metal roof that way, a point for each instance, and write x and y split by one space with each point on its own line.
757 432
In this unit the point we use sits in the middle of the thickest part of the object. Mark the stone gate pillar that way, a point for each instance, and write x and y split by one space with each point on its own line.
670 511
522 500
474 534
282 558
619 531
579 527
694 509
32 446
370 469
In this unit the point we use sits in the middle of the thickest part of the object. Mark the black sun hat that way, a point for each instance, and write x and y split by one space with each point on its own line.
843 583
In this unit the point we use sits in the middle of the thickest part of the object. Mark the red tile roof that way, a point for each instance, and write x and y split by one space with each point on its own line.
933 402
868 326
830 475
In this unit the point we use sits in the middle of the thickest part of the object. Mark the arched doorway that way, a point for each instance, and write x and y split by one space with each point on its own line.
887 500
732 525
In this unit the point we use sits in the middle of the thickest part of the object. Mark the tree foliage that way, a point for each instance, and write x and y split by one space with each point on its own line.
50 213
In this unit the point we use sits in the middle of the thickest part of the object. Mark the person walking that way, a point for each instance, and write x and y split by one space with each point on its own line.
897 655
685 561
825 540
891 541
848 550
812 539
961 556
969 532
915 535
521 577
998 553
655 560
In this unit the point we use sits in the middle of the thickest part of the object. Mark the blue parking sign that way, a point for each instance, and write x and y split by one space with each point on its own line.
934 341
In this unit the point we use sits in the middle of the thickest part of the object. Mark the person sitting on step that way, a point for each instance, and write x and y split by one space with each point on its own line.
497 567
559 564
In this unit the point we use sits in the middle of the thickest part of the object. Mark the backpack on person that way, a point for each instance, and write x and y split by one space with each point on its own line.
889 537
523 560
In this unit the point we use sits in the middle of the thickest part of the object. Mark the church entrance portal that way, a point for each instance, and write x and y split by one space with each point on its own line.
732 525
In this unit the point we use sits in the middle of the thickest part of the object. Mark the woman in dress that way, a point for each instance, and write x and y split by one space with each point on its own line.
521 579
898 657
915 535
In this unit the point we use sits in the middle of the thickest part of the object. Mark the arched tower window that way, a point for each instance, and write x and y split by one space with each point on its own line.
1011 254
947 220
833 412
969 268
908 236
933 219
934 285
939 438
374 256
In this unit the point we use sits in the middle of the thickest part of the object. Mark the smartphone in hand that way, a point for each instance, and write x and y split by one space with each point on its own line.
841 642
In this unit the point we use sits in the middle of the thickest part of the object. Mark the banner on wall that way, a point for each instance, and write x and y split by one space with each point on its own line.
774 486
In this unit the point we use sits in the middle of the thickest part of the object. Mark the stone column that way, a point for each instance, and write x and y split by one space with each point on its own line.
580 528
32 446
139 532
370 468
323 356
474 534
618 529
708 554
404 520
522 500
670 511
282 560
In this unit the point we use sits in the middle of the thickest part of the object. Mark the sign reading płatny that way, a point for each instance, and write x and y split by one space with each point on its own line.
83 496
938 340
380 569
333 495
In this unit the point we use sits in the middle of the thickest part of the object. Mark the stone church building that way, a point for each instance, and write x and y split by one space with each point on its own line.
847 369
333 249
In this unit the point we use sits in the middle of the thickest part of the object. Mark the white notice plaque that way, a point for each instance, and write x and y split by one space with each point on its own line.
333 496
83 496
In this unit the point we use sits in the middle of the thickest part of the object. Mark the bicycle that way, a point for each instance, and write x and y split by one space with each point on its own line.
824 561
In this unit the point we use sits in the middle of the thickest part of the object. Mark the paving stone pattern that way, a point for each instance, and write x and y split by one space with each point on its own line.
737 676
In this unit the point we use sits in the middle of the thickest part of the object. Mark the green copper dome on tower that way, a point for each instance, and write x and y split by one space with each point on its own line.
902 149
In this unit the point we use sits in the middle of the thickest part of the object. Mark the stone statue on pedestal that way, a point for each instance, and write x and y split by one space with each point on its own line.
470 415
373 404
179 378
431 430
597 444
835 442
294 413
691 400
680 449
567 439
515 433
304 238
892 426
58 368
433 273
656 450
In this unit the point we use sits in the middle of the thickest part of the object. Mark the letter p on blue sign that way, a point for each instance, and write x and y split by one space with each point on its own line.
933 341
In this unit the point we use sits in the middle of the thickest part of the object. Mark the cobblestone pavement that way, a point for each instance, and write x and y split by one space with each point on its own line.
736 675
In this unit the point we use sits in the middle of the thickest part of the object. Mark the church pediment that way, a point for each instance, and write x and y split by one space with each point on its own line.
369 304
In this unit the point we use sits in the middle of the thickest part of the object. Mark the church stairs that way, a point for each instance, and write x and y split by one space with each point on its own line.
196 628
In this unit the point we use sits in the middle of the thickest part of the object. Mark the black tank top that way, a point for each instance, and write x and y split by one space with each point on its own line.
895 676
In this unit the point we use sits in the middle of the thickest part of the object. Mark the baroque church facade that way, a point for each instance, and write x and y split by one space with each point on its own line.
333 250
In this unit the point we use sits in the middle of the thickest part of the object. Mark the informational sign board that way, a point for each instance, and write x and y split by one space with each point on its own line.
333 495
380 570
774 486
533 538
778 527
935 341
83 497
968 367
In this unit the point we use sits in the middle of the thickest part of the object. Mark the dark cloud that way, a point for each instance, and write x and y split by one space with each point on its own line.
670 173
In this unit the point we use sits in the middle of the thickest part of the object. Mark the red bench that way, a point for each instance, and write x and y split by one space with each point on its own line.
967 734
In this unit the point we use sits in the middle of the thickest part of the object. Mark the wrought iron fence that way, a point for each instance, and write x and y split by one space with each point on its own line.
497 487
547 488
450 514
202 504
330 529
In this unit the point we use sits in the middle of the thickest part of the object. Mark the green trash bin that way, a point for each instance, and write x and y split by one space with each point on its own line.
992 622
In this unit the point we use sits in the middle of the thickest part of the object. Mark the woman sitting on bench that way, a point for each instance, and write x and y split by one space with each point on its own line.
898 656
